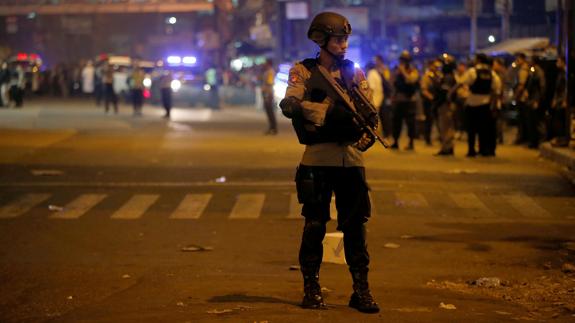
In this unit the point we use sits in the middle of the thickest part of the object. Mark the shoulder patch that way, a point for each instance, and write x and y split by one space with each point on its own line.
363 85
293 76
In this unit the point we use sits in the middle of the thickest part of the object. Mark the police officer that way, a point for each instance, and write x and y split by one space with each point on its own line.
444 99
535 111
429 88
485 87
268 78
520 96
406 83
332 162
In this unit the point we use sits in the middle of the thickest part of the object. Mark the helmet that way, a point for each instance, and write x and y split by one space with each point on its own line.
328 24
405 56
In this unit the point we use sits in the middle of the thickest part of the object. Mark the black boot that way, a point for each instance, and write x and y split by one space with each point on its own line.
361 298
312 298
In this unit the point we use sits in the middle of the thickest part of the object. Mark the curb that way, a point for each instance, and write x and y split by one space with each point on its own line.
562 156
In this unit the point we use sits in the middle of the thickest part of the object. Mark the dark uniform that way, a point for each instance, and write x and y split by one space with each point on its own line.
444 99
535 111
406 85
332 163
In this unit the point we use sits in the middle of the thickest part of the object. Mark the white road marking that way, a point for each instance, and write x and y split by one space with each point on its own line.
470 201
22 205
248 206
79 206
409 199
527 206
135 207
192 206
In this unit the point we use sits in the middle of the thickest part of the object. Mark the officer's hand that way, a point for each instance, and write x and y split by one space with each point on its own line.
365 142
291 107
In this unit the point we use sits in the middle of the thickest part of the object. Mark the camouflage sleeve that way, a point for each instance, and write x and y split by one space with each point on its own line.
312 111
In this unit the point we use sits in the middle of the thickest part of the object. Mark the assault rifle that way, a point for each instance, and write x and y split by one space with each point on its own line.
364 113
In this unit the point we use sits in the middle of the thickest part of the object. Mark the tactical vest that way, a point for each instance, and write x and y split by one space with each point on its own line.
401 86
307 132
482 84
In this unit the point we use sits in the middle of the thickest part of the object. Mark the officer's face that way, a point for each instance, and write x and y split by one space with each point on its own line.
338 46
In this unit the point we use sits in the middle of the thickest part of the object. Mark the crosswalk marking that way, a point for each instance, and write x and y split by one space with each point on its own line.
135 207
527 206
409 199
79 206
294 207
470 201
22 205
192 206
248 206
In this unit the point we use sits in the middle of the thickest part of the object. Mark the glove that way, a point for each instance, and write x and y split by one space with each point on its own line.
365 142
291 107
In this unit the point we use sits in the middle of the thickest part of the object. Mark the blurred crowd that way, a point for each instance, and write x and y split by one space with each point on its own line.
474 100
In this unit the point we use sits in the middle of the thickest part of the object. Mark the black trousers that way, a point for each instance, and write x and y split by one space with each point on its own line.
535 126
167 100
110 97
315 186
481 124
385 116
429 118
17 95
137 100
404 110
268 98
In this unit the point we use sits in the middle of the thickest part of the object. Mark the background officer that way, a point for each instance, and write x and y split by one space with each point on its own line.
332 161
267 80
406 83
444 98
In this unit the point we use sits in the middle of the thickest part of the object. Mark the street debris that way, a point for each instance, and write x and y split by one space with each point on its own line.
413 309
552 295
568 268
55 208
488 282
196 248
126 276
447 306
294 267
221 179
391 245
503 313
228 310
326 290
180 304
462 171
46 172
70 297
406 236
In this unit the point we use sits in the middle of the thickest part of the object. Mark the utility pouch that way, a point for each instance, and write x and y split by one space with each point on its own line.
306 185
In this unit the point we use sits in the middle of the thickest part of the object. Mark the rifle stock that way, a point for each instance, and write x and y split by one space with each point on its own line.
360 119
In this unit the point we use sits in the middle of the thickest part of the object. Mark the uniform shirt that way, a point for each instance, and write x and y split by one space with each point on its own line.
522 76
268 79
429 83
137 81
469 78
330 153
376 85
411 77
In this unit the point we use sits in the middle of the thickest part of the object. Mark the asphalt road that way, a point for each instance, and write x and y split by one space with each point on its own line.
96 210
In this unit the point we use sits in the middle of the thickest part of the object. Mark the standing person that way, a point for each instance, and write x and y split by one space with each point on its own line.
559 106
461 95
535 111
16 85
379 79
445 105
267 84
406 85
4 80
212 82
98 83
484 85
429 86
136 82
332 161
166 92
109 93
501 71
520 96
88 78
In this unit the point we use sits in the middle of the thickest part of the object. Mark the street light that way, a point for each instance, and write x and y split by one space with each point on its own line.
491 38
172 20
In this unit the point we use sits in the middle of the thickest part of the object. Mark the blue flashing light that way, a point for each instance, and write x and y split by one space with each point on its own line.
174 60
189 60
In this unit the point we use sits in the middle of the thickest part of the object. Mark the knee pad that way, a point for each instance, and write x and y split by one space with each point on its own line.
315 229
